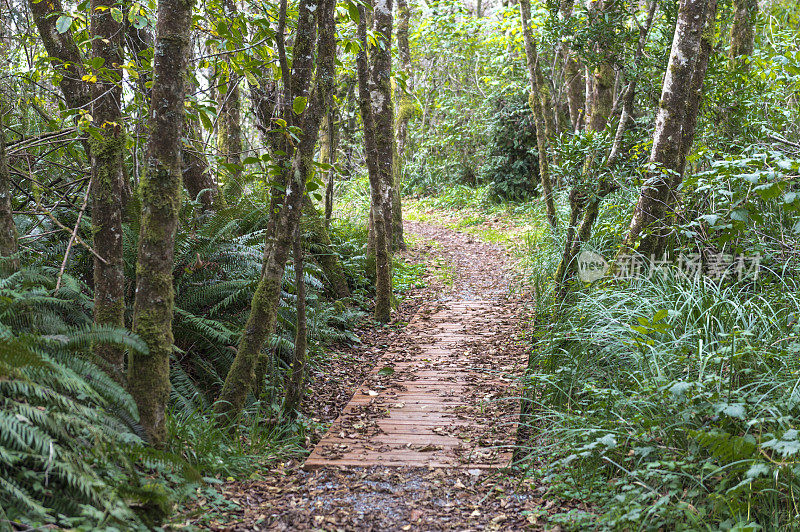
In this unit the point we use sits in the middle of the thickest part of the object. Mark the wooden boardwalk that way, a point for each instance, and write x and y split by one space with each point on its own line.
444 395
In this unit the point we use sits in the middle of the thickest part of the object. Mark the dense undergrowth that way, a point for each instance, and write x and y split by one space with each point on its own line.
71 450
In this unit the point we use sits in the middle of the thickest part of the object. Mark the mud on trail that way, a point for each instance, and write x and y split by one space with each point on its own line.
420 444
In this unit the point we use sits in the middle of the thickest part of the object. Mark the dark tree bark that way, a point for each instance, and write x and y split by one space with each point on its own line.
160 191
537 104
374 72
328 147
650 210
263 311
108 180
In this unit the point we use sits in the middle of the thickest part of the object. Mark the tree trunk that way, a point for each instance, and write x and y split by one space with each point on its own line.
160 191
604 76
108 181
63 52
743 32
537 105
327 259
294 385
405 111
667 139
605 186
327 154
263 310
377 115
8 229
689 127
229 125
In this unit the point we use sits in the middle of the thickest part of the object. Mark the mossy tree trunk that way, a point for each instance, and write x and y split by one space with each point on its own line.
374 71
267 104
405 110
537 105
65 57
648 216
108 180
296 377
590 206
263 310
573 74
160 191
603 74
689 127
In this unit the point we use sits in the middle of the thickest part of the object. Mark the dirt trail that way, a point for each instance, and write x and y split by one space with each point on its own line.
466 331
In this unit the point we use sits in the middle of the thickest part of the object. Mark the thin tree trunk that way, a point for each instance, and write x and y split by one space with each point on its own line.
229 125
377 116
537 105
294 385
327 155
263 310
326 258
405 111
743 32
591 210
667 140
108 181
8 229
160 191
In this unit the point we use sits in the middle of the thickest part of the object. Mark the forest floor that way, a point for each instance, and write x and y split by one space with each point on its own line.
287 497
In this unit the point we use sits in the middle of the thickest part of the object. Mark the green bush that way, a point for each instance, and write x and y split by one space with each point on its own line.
512 163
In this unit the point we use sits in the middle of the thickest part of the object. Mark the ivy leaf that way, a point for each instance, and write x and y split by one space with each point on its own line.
299 104
64 23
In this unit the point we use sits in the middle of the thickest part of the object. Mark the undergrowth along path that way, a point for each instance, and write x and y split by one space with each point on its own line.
445 393
463 272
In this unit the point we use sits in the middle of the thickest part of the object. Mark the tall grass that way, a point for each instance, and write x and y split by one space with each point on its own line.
672 401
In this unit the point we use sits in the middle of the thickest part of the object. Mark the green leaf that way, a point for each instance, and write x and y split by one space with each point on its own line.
355 16
299 104
386 371
64 23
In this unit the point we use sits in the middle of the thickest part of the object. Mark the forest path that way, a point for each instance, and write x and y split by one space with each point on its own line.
470 317
445 393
